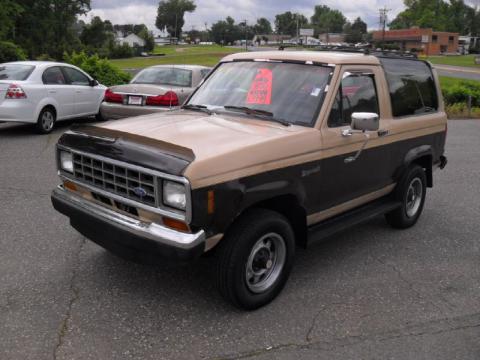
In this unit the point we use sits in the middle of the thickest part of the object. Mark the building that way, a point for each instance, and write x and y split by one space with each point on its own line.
423 41
270 39
466 43
332 38
132 40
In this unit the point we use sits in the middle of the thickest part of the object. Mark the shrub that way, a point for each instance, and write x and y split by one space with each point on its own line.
100 69
460 110
460 91
120 51
10 52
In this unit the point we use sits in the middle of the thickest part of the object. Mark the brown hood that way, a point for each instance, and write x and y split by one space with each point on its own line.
225 147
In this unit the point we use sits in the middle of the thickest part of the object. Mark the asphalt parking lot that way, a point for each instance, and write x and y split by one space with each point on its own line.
369 293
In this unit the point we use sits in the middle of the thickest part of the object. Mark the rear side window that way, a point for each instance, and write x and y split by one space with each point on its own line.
15 72
75 77
411 85
53 76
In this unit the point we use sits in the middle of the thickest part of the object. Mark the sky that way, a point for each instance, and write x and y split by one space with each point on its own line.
210 11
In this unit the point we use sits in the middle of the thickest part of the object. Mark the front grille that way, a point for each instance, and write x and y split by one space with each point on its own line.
116 179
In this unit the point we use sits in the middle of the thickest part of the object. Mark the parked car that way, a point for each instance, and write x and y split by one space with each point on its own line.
154 89
43 92
274 150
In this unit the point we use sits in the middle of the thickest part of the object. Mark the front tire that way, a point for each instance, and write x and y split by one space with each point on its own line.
46 121
255 259
411 193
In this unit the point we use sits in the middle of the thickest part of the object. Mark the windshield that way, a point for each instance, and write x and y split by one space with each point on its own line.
164 76
290 92
15 72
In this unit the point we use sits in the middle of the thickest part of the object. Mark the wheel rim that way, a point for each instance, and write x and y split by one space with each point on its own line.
47 121
265 262
414 197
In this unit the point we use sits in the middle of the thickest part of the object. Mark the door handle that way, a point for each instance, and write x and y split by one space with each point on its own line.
52 91
78 91
383 132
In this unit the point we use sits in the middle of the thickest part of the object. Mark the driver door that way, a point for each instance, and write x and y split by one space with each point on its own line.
368 175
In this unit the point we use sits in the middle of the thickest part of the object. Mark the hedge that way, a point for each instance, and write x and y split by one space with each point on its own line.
100 69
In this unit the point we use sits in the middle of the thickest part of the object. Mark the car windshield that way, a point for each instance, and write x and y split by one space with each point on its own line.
289 92
164 76
15 72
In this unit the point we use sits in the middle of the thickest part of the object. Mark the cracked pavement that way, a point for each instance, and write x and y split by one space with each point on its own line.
371 292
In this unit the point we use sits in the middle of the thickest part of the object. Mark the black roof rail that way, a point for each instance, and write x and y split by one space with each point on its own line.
369 51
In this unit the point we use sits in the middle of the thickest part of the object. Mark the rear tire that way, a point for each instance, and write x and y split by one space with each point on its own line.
46 121
411 193
255 258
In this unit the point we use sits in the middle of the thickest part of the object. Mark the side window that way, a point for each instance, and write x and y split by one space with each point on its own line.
53 76
75 77
411 85
204 72
357 93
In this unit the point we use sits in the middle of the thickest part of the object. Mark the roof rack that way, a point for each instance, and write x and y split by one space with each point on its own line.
368 51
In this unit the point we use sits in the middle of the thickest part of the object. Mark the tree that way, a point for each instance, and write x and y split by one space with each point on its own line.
97 34
355 32
262 27
455 16
170 15
47 26
147 35
225 32
325 19
287 22
10 11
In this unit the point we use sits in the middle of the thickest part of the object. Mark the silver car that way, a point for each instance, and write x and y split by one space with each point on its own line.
154 89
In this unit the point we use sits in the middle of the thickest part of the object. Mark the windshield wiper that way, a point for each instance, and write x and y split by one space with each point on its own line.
264 114
197 107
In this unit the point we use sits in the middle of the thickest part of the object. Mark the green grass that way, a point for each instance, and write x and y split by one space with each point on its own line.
455 60
447 82
207 55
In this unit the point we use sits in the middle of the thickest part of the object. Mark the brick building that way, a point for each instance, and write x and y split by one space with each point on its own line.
424 41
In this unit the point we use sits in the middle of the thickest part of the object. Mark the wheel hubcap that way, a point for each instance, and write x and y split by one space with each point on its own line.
47 120
414 197
265 262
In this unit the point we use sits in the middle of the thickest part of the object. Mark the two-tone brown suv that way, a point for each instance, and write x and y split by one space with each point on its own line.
272 151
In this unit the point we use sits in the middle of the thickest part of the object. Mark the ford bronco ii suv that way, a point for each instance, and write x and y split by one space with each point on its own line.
272 151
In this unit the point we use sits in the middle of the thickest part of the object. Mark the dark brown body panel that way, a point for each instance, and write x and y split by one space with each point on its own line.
316 186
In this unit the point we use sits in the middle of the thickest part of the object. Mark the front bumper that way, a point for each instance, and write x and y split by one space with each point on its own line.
120 111
125 236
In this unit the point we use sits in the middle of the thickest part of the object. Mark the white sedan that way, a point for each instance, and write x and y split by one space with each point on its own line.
43 92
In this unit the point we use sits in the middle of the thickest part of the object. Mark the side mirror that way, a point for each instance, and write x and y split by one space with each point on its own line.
93 82
365 121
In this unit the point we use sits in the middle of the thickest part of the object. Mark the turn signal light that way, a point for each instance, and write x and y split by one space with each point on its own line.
69 185
15 92
112 97
168 99
175 224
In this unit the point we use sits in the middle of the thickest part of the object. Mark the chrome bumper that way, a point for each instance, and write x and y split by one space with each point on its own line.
111 229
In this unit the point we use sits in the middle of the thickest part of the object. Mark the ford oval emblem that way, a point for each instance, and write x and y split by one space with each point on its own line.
140 192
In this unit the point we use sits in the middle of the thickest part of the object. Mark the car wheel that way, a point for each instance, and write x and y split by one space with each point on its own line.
255 258
99 116
46 121
411 193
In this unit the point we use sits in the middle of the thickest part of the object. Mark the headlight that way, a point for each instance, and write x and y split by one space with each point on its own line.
174 195
66 161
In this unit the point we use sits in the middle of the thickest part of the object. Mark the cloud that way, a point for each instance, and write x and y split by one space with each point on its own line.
210 11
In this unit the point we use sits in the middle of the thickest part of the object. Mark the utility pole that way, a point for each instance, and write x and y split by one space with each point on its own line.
245 24
176 39
383 22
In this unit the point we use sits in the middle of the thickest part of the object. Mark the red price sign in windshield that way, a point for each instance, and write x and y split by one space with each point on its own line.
261 89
